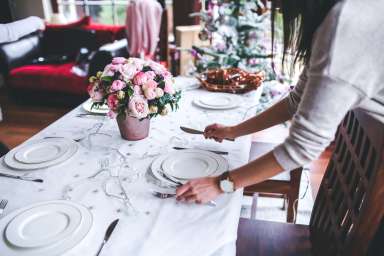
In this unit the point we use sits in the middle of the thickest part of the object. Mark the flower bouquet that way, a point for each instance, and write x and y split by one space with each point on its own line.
135 91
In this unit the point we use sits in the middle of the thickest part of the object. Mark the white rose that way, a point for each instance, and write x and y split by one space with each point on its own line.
159 92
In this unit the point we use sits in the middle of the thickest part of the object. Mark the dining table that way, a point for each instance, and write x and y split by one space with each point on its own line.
148 225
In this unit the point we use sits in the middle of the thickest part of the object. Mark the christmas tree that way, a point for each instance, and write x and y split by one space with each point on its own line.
239 32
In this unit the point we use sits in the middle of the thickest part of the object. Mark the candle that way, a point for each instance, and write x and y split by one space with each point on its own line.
202 5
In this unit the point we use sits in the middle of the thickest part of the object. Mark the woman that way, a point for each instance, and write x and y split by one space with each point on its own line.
341 44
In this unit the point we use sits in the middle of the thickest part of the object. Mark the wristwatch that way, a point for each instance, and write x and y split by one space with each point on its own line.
226 184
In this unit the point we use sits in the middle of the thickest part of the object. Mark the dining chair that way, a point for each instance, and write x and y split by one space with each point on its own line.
349 209
3 149
285 185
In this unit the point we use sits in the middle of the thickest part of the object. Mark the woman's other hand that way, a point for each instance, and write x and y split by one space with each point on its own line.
219 132
199 191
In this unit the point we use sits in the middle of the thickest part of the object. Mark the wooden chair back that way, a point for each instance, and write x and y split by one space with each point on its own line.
350 204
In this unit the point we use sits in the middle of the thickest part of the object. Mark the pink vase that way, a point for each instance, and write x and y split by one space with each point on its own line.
132 128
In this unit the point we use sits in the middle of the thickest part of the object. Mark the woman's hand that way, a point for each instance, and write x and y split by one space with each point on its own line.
219 132
199 191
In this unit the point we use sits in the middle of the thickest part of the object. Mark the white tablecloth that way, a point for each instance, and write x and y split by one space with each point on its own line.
162 226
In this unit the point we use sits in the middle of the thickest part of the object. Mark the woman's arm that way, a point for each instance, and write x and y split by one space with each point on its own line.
325 102
276 114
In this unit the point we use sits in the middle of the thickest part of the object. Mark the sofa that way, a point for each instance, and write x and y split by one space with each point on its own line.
53 66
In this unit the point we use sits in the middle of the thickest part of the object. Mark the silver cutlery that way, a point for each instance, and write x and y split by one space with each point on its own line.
194 131
59 137
107 235
3 204
90 114
213 151
162 195
25 178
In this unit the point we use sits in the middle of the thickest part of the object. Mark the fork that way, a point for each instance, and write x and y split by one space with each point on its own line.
3 204
162 195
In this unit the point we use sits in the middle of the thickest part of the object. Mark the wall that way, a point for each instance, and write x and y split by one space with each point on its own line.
24 8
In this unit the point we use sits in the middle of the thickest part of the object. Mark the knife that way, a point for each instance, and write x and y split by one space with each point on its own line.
20 177
90 114
107 235
194 131
213 151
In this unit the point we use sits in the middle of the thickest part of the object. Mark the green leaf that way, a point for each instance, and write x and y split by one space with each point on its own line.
107 79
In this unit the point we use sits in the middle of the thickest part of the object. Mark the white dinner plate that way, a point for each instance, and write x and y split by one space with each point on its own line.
219 101
189 165
87 106
43 225
53 249
156 166
41 151
11 162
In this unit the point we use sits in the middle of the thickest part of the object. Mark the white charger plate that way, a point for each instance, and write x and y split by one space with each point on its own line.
87 106
41 151
11 162
156 165
54 249
43 225
189 165
218 101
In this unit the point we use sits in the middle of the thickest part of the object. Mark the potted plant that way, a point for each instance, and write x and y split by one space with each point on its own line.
135 91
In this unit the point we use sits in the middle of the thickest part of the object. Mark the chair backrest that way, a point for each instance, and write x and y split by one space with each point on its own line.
350 204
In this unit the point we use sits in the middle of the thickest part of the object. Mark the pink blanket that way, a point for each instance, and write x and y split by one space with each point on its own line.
143 26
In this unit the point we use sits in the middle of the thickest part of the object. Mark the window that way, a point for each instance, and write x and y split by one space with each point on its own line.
101 11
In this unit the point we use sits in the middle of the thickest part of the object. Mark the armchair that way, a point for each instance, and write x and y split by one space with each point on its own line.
38 67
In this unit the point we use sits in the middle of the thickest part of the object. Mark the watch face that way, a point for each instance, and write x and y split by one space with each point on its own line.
227 186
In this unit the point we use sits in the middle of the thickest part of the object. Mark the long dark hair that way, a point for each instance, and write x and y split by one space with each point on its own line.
301 18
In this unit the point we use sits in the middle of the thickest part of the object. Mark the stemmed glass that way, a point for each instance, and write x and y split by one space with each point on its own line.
104 177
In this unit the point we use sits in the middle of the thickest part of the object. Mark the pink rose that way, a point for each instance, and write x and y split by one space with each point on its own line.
138 106
157 68
108 71
150 85
168 88
140 78
128 71
151 75
113 102
117 85
150 93
111 114
137 90
95 93
138 63
167 75
119 60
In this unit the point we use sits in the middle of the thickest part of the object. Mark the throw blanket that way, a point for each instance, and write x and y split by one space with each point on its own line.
143 26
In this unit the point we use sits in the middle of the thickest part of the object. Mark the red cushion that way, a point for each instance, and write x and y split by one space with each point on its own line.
106 33
81 22
48 78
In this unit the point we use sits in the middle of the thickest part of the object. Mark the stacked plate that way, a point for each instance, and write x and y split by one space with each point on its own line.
218 101
87 106
41 154
44 229
184 165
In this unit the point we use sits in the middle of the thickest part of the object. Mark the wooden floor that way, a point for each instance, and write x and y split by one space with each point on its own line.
20 122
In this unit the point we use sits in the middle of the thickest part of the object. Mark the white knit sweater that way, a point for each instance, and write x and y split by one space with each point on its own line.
346 71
